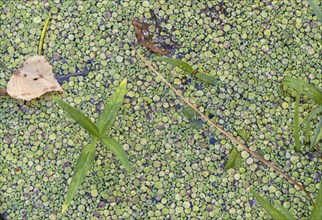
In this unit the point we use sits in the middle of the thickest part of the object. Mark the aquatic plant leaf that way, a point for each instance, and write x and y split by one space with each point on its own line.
189 112
206 78
315 7
269 208
33 79
305 88
118 150
83 165
317 209
234 160
283 210
308 119
78 116
317 136
178 63
245 135
112 107
296 128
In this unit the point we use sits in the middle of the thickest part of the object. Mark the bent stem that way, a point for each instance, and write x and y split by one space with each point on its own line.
42 37
221 130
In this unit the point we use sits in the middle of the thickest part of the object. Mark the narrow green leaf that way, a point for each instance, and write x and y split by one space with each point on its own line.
83 165
112 107
308 119
178 63
317 209
118 150
315 7
189 112
284 210
206 78
305 88
317 135
78 116
297 123
269 208
234 160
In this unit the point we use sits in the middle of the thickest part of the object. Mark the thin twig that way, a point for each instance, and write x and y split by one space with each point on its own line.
42 37
227 134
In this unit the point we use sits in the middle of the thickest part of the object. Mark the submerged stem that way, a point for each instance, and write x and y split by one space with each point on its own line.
221 130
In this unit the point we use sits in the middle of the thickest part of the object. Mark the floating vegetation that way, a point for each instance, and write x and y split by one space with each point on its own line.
98 131
187 68
303 88
282 213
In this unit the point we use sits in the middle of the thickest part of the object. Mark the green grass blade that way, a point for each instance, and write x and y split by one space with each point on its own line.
305 88
269 208
315 7
308 119
284 210
317 135
297 123
78 116
178 63
42 37
118 150
112 107
83 165
317 209
206 78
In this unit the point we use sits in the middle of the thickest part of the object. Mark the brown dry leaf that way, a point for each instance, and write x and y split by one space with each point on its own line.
33 79
145 38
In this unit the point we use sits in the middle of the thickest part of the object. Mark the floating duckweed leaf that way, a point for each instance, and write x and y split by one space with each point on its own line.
305 88
112 106
178 63
270 209
315 7
33 79
83 165
317 136
317 209
206 78
234 160
78 116
118 150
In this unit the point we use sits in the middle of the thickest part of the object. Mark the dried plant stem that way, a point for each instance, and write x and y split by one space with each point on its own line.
227 134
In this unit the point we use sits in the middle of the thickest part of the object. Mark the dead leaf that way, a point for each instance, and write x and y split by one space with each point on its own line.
145 38
33 79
